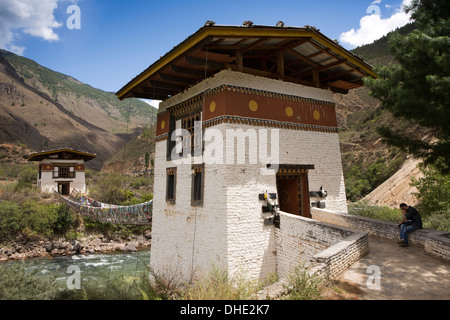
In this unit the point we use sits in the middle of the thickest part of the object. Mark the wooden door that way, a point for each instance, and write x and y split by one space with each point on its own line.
288 195
64 188
293 192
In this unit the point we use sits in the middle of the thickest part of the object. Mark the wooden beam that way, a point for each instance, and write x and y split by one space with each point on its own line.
253 45
154 91
147 96
323 68
304 59
272 75
318 53
188 72
316 79
176 79
203 63
145 93
337 75
162 85
280 63
239 60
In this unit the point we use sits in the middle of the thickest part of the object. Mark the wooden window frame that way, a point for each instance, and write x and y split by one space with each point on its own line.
196 200
171 172
64 172
193 124
189 123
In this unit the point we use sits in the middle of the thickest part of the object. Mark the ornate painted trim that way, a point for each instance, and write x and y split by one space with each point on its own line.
267 123
196 103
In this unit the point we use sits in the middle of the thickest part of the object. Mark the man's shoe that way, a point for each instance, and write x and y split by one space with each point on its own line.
400 241
403 245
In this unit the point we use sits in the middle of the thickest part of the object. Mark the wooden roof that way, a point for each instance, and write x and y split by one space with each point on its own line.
295 54
62 154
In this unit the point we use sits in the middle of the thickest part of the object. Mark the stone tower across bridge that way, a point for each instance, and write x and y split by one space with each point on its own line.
246 129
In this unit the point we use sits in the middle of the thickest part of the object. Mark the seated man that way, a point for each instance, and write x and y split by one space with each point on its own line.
411 222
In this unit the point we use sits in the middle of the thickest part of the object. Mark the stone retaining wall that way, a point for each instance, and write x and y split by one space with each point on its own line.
436 243
327 248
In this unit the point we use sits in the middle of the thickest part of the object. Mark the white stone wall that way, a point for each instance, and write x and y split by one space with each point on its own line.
228 230
322 150
187 240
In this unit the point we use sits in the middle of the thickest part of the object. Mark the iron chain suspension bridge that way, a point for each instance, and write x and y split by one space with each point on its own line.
138 214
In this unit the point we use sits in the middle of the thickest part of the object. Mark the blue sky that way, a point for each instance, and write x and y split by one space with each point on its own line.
119 39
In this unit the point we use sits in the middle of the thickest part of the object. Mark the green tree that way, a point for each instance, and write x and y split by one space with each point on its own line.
434 190
434 197
417 87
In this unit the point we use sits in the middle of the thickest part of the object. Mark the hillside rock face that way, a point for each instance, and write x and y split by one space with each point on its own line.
397 189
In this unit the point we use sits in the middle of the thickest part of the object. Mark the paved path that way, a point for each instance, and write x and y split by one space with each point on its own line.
406 273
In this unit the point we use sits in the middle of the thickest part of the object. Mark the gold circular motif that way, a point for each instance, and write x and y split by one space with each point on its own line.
212 106
316 115
163 124
253 105
289 112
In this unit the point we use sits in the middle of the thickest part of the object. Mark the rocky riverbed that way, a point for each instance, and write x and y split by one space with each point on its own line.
95 243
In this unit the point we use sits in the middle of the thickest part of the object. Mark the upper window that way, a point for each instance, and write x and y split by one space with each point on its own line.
64 172
189 138
193 126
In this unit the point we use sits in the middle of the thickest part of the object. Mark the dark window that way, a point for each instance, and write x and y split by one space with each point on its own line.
170 144
198 178
171 185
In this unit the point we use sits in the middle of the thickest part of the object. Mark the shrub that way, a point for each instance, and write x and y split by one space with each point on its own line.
364 209
434 191
218 285
304 285
10 219
62 219
18 284
440 221
108 188
33 220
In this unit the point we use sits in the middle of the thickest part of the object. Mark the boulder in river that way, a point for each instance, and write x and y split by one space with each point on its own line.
129 247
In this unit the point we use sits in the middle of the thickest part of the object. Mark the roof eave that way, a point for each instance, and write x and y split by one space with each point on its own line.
220 31
39 154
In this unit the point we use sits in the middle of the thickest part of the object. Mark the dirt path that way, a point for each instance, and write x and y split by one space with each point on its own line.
405 273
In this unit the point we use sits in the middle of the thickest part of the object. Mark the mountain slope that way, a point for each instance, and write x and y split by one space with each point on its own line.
95 106
31 117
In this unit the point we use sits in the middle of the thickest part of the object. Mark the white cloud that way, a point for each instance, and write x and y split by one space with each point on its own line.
374 26
153 103
31 17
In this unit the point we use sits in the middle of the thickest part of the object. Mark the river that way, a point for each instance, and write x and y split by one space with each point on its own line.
94 270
